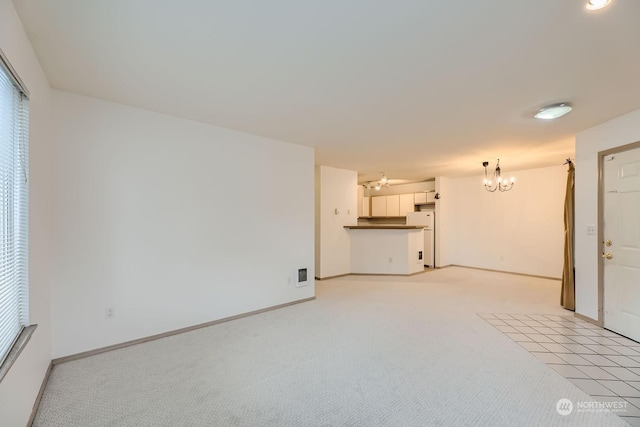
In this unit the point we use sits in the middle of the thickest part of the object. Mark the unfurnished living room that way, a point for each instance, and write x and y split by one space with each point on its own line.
319 213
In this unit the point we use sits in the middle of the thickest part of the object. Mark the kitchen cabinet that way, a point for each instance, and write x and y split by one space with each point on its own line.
393 205
424 198
379 206
406 204
365 206
420 198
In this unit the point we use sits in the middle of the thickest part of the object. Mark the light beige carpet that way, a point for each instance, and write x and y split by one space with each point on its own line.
370 351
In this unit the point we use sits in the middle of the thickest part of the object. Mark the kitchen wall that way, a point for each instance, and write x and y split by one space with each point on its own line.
20 387
519 231
336 206
614 133
170 223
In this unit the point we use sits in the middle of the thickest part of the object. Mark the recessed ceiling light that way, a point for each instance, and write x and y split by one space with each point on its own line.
554 111
597 4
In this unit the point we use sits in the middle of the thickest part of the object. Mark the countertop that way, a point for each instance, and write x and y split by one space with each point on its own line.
384 227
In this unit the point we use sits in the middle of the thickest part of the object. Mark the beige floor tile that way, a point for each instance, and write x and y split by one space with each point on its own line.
569 371
555 348
592 387
622 373
598 360
625 361
540 338
620 388
580 339
532 346
574 359
548 358
519 337
596 373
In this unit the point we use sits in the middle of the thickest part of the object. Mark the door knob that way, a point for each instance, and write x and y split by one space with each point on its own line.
607 255
608 242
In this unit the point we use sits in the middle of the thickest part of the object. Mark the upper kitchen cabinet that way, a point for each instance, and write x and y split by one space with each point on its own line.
389 206
366 203
379 206
424 198
393 205
406 204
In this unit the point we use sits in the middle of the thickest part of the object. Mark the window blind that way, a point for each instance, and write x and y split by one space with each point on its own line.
14 156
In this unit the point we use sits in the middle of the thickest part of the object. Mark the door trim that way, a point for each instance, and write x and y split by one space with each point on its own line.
601 156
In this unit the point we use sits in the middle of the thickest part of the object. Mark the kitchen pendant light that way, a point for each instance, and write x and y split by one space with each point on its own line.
554 111
378 185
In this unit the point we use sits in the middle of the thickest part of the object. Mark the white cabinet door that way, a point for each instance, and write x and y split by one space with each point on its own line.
365 206
393 205
431 197
420 198
379 206
406 204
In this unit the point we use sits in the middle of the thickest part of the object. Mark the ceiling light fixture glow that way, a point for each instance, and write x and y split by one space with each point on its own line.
597 4
554 111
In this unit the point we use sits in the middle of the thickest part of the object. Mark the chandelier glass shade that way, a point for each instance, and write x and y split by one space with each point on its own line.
496 182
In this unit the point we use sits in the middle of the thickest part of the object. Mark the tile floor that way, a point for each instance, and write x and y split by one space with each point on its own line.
602 363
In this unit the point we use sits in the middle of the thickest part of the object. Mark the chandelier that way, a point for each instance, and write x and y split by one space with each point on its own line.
377 185
496 182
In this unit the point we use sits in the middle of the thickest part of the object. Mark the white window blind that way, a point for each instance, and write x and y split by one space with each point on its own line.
14 155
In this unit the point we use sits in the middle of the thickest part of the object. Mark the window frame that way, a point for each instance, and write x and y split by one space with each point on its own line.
26 332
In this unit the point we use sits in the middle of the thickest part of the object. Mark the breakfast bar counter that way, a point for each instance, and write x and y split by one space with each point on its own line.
386 249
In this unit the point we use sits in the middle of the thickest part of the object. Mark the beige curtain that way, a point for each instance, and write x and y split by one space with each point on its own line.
568 296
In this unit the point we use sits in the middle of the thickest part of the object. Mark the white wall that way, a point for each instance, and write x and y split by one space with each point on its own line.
446 221
170 222
336 189
614 133
19 388
519 231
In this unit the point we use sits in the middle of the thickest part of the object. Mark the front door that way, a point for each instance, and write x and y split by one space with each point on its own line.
621 246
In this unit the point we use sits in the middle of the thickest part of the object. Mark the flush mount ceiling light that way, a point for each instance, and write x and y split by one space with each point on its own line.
597 4
554 111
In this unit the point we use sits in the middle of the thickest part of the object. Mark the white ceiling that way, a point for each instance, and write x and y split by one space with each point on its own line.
414 88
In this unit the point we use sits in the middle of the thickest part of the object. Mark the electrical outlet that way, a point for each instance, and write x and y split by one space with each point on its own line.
108 313
591 230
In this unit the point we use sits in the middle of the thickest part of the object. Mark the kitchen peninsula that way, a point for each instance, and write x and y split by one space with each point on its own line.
386 249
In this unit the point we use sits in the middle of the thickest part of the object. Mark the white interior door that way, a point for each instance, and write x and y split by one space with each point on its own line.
621 246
